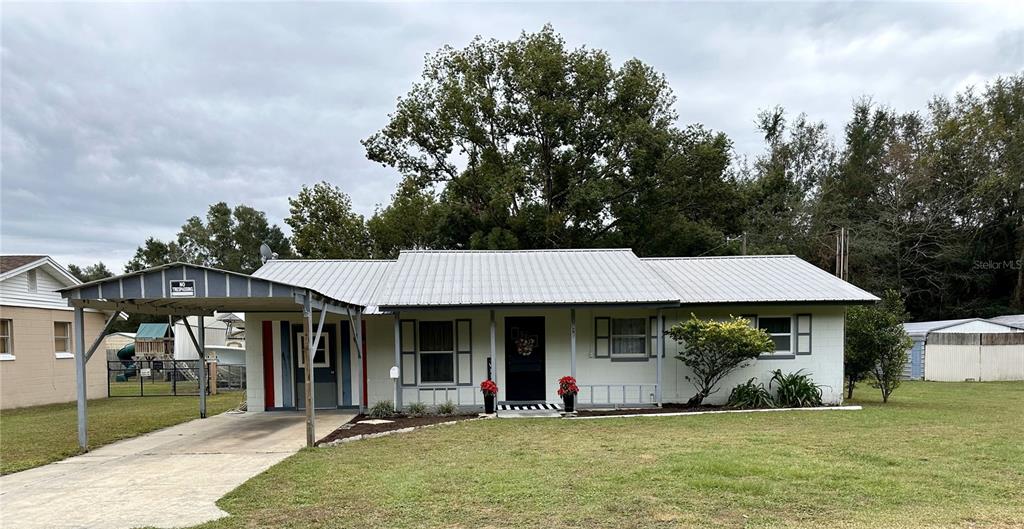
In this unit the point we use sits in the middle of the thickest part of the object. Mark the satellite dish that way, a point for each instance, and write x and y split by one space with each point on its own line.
266 253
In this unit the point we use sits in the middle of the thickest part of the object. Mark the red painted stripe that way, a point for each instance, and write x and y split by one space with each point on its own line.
365 390
268 364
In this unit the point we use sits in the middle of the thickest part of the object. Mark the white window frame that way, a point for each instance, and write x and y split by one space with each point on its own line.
324 345
69 343
421 353
790 334
645 336
8 338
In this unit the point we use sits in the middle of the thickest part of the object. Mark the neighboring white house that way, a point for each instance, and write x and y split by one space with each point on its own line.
225 338
451 319
967 349
37 348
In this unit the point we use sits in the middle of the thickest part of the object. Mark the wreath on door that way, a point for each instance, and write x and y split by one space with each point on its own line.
525 345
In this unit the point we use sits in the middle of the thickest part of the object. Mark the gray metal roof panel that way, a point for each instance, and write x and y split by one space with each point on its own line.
521 277
753 279
355 280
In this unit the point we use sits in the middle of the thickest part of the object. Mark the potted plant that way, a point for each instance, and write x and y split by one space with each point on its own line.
567 389
490 391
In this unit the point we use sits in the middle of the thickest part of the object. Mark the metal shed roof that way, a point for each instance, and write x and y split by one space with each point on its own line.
150 291
355 280
521 277
753 279
151 331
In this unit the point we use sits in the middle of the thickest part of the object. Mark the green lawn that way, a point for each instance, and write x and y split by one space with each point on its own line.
939 455
34 436
131 388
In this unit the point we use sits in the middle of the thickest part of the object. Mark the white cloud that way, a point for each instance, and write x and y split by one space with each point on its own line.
121 120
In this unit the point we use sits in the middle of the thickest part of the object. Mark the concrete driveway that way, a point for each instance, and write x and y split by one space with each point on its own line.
168 478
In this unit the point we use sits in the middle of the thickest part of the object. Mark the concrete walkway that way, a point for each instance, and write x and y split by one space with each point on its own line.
168 478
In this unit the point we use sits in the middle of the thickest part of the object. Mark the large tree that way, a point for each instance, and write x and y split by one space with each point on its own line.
90 272
229 239
530 144
324 225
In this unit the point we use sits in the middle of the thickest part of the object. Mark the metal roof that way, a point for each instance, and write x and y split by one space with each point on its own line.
521 277
1016 320
151 331
921 329
753 279
355 280
188 289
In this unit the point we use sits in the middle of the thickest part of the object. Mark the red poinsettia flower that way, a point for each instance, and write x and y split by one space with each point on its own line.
567 386
488 387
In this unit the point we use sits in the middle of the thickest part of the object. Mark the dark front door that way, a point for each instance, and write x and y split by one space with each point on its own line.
524 358
325 368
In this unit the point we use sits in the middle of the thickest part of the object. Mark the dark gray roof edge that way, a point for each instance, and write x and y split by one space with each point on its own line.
175 264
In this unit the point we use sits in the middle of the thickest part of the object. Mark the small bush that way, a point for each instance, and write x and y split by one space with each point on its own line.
447 408
382 410
795 390
750 395
416 409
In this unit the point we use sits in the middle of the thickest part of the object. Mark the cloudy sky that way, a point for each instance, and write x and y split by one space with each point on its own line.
120 121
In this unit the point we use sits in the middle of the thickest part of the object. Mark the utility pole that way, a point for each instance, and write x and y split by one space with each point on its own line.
744 244
843 254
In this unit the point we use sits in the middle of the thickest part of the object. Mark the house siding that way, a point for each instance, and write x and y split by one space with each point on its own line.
616 382
36 376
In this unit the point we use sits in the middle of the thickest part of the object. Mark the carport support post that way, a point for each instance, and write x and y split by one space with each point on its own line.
83 434
307 311
202 365
359 359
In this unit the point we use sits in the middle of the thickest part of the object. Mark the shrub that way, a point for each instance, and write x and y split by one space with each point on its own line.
713 349
876 344
447 408
416 409
382 409
795 390
751 395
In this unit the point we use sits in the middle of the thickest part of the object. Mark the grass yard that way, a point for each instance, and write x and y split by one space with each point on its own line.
939 455
34 436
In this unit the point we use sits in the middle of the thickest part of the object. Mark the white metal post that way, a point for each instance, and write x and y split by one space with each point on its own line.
494 355
660 352
398 361
572 342
202 365
83 434
358 385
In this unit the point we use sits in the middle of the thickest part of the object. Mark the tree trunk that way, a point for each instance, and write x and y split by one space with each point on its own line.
696 400
849 388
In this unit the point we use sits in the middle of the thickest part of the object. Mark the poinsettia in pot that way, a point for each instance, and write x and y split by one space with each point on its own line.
567 389
490 391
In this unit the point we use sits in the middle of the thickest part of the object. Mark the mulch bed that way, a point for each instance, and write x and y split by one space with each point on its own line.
665 408
398 422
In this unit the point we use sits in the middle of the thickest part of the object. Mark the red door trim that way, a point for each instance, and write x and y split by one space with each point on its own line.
268 365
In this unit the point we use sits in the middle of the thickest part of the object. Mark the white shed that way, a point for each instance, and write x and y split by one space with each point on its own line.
977 349
225 338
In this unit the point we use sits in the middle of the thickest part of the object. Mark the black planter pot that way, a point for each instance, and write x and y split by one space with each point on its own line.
570 403
489 403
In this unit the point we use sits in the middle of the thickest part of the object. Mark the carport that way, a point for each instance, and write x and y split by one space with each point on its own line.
181 290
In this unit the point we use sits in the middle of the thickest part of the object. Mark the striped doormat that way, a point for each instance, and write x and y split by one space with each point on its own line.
528 406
